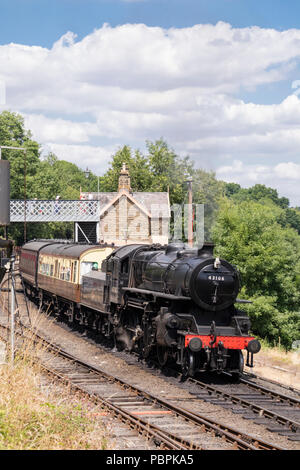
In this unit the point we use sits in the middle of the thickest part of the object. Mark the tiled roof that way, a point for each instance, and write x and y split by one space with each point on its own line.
144 199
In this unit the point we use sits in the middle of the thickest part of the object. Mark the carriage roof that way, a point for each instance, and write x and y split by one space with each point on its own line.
64 249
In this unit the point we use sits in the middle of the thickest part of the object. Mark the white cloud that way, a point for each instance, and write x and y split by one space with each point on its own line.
130 83
59 130
94 157
289 171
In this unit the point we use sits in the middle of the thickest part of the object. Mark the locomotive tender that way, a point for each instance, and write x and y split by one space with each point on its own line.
175 303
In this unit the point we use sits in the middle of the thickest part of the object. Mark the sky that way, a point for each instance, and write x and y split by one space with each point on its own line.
219 80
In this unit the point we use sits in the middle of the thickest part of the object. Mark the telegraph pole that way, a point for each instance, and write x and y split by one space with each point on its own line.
12 311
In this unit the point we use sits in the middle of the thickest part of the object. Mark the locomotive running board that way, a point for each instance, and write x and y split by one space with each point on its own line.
155 293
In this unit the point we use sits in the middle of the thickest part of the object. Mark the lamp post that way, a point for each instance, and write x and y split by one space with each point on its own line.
190 211
87 173
25 165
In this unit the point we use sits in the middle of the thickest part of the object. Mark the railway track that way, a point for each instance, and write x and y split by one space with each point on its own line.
278 412
169 425
250 376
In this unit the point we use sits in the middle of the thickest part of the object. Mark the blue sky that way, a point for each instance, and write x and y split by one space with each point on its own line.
213 77
41 22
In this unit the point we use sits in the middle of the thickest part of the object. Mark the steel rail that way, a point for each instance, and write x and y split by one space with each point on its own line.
168 439
162 437
270 381
240 440
261 411
258 409
266 391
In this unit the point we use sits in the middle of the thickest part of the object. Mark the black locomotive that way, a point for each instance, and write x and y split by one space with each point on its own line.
170 302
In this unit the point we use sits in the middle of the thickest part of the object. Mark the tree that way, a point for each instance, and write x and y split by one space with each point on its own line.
13 134
58 177
231 189
207 190
258 192
140 174
290 218
268 256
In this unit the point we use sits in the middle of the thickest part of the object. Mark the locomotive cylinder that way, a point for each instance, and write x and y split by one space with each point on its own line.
166 327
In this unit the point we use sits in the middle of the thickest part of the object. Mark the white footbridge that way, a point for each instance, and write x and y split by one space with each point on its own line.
85 214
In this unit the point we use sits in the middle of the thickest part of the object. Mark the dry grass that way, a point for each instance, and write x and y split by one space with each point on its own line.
281 357
37 414
279 365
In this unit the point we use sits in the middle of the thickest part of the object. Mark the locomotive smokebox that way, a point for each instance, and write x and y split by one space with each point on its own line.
4 192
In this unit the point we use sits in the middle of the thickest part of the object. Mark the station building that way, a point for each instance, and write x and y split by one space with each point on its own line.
128 217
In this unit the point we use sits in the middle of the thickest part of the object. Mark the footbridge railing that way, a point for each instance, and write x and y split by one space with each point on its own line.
54 211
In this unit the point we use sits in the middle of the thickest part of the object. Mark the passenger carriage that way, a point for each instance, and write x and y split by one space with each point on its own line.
57 268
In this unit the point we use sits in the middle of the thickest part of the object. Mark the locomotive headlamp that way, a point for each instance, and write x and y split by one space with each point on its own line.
195 344
253 346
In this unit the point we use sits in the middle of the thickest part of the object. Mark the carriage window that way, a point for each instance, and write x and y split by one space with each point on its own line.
67 274
45 269
86 267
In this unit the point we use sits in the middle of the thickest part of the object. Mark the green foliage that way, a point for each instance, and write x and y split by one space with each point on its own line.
161 169
258 192
290 217
60 178
138 168
268 256
13 134
268 322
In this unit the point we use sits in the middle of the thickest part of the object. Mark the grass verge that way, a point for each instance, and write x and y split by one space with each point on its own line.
37 414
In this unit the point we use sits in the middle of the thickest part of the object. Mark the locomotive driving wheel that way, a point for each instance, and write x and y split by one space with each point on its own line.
188 365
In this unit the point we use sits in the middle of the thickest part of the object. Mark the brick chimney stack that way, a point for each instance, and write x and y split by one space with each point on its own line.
124 179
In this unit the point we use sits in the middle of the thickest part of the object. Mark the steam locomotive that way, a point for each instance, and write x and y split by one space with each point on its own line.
174 303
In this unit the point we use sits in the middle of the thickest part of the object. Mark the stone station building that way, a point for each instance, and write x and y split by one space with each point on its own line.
131 217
